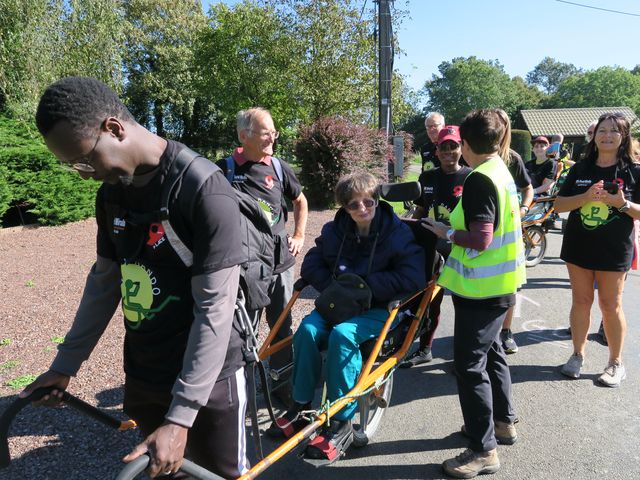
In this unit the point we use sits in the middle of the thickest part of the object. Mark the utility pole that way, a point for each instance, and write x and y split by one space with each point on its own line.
385 66
385 72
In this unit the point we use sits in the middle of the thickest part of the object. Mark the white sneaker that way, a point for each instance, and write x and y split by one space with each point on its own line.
613 375
572 368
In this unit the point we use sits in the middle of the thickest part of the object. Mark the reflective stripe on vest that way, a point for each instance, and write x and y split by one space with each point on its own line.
499 269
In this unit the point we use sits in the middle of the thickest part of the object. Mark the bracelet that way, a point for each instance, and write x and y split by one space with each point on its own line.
525 208
449 235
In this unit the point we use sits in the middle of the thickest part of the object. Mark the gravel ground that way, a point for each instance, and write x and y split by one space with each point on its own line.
41 281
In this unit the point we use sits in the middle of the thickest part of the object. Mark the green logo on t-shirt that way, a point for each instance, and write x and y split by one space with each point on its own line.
594 215
138 291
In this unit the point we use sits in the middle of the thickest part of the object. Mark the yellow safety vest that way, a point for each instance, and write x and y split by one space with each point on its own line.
499 270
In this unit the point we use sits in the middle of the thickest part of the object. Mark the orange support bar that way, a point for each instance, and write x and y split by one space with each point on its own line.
366 379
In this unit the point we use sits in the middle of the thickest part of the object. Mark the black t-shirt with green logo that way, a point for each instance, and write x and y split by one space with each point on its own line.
157 302
441 192
597 236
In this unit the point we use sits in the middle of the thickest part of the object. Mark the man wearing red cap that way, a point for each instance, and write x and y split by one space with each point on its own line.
441 191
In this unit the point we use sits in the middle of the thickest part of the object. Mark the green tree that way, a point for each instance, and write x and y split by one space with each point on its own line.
604 87
245 59
30 37
465 84
43 40
160 44
525 96
549 73
336 57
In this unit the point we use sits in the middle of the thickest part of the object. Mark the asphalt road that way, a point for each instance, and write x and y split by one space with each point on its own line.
568 429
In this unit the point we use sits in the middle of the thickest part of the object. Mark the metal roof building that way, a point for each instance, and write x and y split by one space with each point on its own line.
571 122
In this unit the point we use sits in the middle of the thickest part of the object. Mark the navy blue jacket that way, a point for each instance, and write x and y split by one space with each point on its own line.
397 269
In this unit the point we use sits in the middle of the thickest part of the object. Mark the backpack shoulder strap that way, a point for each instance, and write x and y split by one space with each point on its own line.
277 166
231 168
188 172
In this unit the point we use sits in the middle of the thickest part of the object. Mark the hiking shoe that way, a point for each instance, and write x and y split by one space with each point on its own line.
613 375
603 336
418 358
470 463
505 432
508 343
572 368
290 423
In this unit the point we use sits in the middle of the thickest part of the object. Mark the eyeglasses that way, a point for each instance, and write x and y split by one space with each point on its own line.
267 133
433 126
448 148
355 204
82 163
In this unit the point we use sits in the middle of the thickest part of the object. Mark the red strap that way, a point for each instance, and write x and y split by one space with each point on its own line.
286 426
325 446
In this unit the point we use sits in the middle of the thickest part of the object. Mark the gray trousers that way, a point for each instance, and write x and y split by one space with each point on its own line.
280 292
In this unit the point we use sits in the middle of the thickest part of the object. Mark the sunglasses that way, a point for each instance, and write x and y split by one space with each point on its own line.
355 204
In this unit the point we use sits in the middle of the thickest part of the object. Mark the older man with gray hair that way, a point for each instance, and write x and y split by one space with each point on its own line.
433 123
253 169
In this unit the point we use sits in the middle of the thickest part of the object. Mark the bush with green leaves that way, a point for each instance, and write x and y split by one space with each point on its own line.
31 178
332 147
521 143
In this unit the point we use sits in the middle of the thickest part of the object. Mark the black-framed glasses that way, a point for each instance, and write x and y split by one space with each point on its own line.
355 204
267 133
82 163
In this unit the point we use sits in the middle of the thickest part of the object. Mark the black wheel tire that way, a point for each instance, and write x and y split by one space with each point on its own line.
535 249
370 414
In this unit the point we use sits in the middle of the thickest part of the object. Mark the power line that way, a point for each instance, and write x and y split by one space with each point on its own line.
598 8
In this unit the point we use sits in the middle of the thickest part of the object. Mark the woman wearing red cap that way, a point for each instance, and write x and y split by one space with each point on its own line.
542 170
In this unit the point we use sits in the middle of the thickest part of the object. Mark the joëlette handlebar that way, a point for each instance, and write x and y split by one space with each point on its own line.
137 466
19 403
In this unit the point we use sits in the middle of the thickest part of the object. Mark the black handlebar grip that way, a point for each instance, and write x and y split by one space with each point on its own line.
300 284
137 466
19 403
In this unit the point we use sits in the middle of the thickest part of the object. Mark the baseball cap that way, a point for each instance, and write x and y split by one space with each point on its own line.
449 132
540 139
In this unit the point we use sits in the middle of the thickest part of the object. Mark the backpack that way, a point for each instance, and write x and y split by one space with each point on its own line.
188 172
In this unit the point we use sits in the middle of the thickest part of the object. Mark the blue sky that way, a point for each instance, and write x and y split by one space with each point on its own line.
518 33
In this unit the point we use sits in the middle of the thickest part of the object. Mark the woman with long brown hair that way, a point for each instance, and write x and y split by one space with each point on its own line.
603 195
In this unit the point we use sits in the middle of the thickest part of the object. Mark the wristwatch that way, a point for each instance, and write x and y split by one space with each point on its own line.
625 207
449 235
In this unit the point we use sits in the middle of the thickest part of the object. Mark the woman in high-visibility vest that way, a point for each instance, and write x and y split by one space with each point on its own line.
483 272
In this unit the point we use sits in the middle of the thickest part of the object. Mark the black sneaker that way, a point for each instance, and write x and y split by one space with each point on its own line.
331 443
419 357
508 343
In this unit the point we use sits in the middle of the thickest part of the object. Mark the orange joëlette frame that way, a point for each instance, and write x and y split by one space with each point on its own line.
366 379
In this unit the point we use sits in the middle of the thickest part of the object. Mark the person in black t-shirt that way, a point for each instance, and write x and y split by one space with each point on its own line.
257 174
602 194
523 184
441 191
541 169
184 383
433 124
